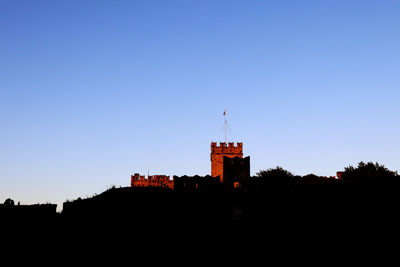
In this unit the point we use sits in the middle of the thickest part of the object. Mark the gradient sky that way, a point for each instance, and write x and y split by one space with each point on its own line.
93 91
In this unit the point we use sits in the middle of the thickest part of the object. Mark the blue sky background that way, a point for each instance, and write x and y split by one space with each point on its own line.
93 91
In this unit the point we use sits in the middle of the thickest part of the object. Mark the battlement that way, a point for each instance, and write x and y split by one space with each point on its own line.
138 180
225 148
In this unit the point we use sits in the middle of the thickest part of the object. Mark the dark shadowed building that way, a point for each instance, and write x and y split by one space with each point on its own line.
236 173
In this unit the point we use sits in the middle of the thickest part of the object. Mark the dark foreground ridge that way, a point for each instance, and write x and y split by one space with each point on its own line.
275 204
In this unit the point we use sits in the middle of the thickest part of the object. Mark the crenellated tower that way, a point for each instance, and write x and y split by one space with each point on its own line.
218 153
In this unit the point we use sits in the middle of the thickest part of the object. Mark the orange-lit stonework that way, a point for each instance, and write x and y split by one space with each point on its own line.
217 156
151 181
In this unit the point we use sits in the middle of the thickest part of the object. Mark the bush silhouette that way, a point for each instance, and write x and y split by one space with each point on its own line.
9 202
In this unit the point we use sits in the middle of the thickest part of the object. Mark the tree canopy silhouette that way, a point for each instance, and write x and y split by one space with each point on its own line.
275 179
9 202
274 172
368 171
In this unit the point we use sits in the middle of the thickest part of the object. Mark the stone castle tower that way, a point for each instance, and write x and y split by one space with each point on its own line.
217 156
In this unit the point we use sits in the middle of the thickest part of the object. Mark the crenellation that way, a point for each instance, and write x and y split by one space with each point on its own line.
151 181
226 148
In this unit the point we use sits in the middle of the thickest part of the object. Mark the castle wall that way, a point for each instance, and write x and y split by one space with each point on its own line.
219 152
152 181
196 183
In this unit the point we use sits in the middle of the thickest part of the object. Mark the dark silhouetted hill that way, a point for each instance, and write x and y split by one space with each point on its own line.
275 205
37 213
147 213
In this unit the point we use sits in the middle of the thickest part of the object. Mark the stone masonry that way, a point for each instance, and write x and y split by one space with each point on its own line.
217 156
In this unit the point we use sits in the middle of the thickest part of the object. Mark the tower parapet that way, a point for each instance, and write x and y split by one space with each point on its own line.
227 148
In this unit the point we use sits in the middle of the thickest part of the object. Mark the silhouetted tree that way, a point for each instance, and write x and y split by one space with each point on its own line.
9 202
275 179
374 191
274 172
368 171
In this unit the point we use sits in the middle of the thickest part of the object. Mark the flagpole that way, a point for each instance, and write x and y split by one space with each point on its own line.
226 124
226 136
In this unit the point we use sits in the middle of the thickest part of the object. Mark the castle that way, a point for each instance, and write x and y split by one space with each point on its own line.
228 168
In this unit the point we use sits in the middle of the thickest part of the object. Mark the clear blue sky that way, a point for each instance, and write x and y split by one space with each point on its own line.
93 91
